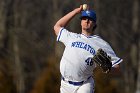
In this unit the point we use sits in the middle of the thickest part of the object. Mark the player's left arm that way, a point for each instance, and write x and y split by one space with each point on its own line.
114 59
115 69
116 66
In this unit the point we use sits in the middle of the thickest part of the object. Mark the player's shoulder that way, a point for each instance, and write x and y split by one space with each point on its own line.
98 37
101 40
73 34
69 33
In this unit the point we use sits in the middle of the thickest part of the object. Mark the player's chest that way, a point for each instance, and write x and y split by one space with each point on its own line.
83 45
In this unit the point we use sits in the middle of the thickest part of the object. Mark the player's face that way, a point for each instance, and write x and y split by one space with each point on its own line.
87 23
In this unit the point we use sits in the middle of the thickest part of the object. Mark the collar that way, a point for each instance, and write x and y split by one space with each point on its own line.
91 36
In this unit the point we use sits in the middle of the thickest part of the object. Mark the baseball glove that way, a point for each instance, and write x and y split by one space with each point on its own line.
103 60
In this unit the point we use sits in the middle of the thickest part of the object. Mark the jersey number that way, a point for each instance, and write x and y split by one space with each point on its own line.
89 61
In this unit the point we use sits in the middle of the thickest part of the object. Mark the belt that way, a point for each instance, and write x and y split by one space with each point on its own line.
74 83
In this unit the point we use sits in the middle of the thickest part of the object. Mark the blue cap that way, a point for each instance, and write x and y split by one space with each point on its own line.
90 14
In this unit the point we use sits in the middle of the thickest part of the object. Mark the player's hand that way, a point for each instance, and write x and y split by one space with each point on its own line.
78 10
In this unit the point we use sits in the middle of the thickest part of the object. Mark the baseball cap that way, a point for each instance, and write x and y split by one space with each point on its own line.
89 13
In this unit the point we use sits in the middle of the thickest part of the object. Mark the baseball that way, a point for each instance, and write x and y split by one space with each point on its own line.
84 6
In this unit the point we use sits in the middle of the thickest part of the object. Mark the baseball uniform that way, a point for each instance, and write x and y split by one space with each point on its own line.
76 66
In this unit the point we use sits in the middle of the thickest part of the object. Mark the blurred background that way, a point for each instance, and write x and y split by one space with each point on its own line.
30 55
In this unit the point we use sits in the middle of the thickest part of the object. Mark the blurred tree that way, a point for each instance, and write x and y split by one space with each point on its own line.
49 79
118 24
135 52
11 28
6 78
106 83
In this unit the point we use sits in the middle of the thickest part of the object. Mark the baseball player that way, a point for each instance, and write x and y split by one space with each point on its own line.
76 65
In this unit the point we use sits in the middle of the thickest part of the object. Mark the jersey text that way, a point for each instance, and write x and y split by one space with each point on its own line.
84 46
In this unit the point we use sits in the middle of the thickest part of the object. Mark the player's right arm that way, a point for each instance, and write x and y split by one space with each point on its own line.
65 20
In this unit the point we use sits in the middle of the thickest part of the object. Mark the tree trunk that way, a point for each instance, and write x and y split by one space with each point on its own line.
11 29
137 43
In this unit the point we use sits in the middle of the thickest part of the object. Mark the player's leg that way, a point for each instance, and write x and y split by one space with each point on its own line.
87 87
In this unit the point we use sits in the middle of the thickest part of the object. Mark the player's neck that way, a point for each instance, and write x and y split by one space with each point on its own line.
87 33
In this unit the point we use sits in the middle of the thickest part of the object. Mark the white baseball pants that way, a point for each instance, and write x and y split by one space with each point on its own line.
86 87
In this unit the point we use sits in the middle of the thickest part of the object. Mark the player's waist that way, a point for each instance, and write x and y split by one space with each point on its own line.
74 82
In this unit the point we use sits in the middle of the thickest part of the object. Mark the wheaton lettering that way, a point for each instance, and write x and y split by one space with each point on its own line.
83 46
